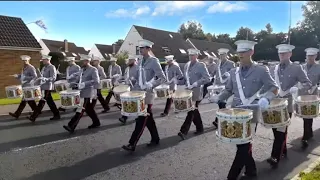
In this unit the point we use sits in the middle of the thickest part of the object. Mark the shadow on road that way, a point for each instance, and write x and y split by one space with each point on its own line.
296 156
106 160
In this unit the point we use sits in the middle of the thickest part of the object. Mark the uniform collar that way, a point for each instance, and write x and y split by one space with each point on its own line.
285 63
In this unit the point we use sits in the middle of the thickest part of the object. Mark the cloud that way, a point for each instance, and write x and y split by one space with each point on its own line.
129 13
227 7
175 7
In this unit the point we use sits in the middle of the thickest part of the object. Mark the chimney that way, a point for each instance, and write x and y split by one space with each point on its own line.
66 48
113 49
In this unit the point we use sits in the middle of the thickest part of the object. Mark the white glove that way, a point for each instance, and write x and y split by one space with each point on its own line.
294 90
81 85
149 85
174 80
132 78
31 82
116 76
263 103
44 79
195 84
116 83
214 99
189 87
16 75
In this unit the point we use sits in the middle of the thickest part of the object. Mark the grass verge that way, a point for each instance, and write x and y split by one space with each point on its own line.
55 96
313 175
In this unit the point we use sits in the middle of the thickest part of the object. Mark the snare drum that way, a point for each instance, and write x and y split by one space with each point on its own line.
14 91
70 99
307 106
234 125
214 90
106 83
31 93
133 103
276 115
61 85
119 90
162 91
182 100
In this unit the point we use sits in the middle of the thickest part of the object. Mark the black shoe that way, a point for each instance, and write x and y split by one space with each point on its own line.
69 129
273 162
164 114
55 118
61 109
304 144
123 120
119 106
116 104
129 147
284 155
14 115
181 135
31 118
215 124
92 126
105 110
153 143
198 132
250 176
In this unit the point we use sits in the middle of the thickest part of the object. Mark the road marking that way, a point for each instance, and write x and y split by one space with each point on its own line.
44 144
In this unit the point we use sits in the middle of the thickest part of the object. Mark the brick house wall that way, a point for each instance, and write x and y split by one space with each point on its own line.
12 64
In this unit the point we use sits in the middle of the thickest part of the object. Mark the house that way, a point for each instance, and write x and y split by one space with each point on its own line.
67 49
209 48
165 43
104 51
15 40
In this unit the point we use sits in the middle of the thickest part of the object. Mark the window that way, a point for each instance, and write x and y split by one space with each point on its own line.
231 55
110 55
74 54
137 50
166 49
170 35
182 51
228 56
214 55
206 53
106 54
63 53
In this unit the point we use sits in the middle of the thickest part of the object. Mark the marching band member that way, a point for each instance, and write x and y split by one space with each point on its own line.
245 83
89 78
173 74
102 75
313 71
48 77
115 74
222 74
149 67
286 75
129 76
26 77
212 68
72 74
195 76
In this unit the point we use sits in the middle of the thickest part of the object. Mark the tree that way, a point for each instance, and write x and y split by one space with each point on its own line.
224 38
119 42
210 37
192 29
269 28
245 33
311 21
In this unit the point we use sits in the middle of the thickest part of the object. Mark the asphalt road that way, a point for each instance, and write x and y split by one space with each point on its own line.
45 151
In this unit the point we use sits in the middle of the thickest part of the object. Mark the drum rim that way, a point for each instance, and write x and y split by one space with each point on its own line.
167 86
234 141
105 79
183 97
215 87
31 87
13 86
143 94
309 101
123 85
61 81
66 92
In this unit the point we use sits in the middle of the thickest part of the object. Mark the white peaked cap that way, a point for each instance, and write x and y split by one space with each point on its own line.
45 57
113 59
223 51
25 58
97 58
311 51
283 48
245 45
85 57
145 43
131 57
169 58
70 59
193 51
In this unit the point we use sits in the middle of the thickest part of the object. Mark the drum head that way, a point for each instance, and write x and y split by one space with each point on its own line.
212 87
235 112
61 82
13 87
133 94
70 92
278 101
121 88
162 86
182 94
307 98
31 87
105 80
